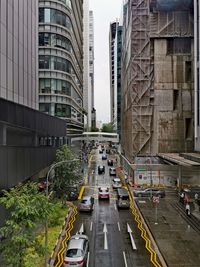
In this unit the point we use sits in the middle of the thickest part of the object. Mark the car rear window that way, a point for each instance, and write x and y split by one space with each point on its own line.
73 253
124 197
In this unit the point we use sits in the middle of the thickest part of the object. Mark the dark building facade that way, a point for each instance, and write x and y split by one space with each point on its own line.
61 62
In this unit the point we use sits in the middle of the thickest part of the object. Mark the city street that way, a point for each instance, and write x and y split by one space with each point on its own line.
116 248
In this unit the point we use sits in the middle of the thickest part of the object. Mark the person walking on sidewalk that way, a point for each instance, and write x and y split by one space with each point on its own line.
187 209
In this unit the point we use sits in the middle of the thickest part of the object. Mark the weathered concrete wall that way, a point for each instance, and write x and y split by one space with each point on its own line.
173 108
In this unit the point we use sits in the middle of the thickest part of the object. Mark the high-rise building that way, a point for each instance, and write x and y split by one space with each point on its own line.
157 77
197 73
61 61
91 67
117 79
88 66
112 34
28 138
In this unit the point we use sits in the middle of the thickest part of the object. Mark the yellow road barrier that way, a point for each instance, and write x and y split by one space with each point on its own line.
153 255
81 192
66 238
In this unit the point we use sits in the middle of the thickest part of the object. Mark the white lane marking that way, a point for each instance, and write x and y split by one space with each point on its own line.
118 226
105 236
91 226
115 206
125 261
131 237
88 259
81 231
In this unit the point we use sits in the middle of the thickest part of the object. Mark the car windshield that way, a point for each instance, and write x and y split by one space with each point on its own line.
84 201
73 253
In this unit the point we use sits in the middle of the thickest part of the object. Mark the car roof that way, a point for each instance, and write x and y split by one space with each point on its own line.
116 180
77 241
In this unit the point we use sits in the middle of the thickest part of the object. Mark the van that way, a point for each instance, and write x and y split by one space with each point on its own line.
123 200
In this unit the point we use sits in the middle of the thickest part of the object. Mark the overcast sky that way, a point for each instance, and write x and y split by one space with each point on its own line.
105 11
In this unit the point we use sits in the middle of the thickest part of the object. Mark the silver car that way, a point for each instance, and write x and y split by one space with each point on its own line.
77 251
149 192
86 203
117 183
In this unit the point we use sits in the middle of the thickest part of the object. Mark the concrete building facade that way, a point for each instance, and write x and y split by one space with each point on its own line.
18 52
28 138
117 79
157 78
61 62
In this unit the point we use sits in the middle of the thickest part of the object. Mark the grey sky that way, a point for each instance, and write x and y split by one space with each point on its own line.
105 11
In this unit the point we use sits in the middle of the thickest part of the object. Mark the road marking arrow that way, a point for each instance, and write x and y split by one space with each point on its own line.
81 231
105 231
91 226
131 237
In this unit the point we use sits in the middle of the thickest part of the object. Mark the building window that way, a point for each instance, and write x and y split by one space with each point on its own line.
50 15
54 86
54 63
45 107
188 71
54 40
178 46
188 128
62 110
175 99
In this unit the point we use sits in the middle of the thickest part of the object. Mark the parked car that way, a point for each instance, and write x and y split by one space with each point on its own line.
148 192
86 204
112 171
101 169
104 193
104 157
77 251
117 183
110 162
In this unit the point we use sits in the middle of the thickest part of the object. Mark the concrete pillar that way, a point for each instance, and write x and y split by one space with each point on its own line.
3 134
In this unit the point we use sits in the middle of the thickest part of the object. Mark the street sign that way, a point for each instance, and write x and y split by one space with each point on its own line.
156 199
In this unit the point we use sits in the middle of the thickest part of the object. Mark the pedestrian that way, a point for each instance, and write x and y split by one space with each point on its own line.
196 197
187 209
182 195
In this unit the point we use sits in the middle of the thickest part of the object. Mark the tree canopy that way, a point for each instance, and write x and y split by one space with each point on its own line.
28 208
107 128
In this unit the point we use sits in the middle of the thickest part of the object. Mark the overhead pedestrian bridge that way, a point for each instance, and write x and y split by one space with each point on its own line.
98 137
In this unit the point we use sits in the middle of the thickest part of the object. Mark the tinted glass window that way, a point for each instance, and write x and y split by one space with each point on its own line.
73 253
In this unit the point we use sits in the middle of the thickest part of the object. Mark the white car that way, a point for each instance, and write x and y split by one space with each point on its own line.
104 192
117 183
77 251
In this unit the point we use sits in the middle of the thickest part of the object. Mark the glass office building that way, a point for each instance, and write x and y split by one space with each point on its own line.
60 62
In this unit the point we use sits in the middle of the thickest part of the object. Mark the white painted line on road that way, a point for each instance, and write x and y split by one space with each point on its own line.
91 226
81 231
115 206
131 237
88 259
118 226
105 236
125 261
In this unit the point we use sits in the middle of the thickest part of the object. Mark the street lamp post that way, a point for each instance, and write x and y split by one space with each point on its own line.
47 194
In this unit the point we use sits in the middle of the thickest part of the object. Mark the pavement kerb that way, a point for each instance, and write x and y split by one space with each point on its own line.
150 236
61 235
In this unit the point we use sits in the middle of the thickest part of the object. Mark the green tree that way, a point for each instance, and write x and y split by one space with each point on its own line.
28 208
66 174
107 128
94 129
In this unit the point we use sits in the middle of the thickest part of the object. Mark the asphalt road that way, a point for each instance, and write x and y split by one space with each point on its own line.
113 248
